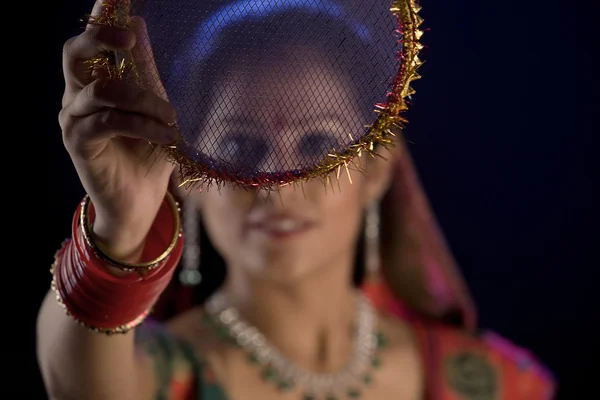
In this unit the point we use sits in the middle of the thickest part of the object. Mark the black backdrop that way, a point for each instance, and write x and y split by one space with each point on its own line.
502 129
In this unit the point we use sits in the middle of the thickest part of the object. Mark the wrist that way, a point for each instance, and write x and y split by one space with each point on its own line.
115 241
124 244
82 272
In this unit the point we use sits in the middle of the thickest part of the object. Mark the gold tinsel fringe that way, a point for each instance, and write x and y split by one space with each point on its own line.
116 66
379 133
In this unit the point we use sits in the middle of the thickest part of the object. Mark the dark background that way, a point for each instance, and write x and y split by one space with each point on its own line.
502 126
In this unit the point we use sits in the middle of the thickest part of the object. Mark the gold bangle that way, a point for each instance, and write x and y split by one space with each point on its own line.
106 331
86 228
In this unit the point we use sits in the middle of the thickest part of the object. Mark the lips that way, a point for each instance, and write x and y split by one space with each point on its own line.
279 226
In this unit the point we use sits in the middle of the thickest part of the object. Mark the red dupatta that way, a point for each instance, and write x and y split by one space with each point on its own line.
421 283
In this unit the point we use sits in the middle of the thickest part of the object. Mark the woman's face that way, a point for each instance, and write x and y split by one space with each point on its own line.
286 235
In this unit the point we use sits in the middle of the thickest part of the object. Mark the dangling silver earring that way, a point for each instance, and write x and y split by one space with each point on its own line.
372 240
190 272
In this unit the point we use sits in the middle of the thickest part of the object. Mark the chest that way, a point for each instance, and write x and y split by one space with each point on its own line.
400 376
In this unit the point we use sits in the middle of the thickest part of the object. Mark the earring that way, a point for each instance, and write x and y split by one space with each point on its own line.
372 240
190 272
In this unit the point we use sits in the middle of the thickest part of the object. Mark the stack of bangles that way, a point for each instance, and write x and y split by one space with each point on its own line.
97 298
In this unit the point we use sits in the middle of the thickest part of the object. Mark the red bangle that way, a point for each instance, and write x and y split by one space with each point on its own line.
167 219
102 301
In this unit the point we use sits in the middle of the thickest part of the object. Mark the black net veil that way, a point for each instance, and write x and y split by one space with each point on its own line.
273 91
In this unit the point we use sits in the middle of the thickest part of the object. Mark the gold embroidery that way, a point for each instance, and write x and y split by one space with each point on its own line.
472 376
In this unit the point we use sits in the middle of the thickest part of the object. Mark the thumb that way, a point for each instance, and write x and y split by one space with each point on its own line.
144 58
96 12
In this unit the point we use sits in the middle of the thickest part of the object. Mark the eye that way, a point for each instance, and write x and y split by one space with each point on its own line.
317 144
243 150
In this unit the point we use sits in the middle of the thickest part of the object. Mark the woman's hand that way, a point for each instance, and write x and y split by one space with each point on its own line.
108 126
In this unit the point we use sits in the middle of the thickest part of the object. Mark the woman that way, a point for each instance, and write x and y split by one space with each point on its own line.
288 321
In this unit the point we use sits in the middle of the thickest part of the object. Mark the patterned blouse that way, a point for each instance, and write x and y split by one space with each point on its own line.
459 367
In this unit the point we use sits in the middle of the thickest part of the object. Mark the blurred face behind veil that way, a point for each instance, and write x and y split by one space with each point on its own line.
244 113
293 233
275 114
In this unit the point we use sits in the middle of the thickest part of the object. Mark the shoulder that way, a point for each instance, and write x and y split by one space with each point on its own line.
531 377
486 366
174 357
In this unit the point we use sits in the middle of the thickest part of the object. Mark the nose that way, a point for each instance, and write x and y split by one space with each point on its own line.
282 154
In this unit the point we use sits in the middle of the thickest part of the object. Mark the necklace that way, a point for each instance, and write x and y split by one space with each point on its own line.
284 374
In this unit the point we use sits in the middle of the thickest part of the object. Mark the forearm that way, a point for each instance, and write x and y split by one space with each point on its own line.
77 363
99 361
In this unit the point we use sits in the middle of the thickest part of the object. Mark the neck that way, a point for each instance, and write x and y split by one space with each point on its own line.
308 321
